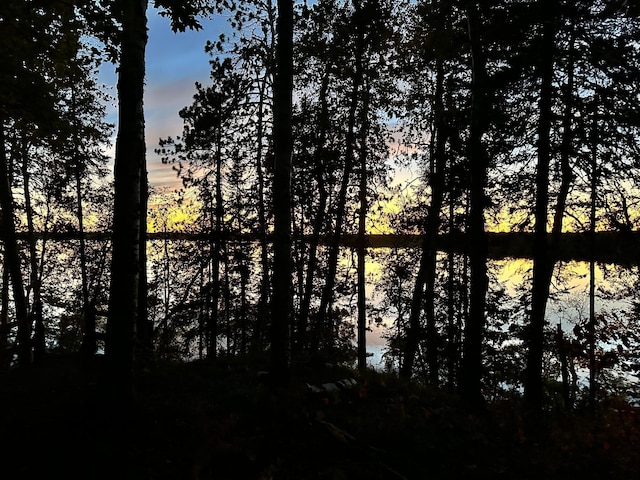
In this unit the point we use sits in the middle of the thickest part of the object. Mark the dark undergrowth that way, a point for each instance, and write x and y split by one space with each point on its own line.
221 420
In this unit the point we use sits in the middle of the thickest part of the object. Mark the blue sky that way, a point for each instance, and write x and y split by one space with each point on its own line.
175 61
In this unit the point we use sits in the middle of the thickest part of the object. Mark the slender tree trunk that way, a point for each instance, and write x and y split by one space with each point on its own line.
566 172
561 344
165 336
321 327
230 332
566 147
89 323
326 300
218 241
213 318
244 281
415 331
12 256
144 327
39 348
362 241
566 180
38 340
265 281
36 263
424 289
542 261
5 353
89 342
215 246
323 196
281 305
593 374
96 284
471 371
209 334
202 308
452 330
263 301
299 259
129 165
220 255
464 311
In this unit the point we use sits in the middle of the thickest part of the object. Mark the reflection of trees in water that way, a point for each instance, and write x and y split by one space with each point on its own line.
617 345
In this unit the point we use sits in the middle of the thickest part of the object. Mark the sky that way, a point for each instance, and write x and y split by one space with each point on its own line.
175 61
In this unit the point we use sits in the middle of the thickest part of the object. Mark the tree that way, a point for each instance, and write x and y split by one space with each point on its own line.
34 54
211 128
362 242
222 152
423 298
322 322
128 174
542 266
471 372
355 59
129 221
281 302
320 143
571 79
83 160
11 255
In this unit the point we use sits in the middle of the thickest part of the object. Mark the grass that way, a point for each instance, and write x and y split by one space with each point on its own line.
222 420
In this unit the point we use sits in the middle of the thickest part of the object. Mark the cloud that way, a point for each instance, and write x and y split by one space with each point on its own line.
174 62
169 96
162 176
163 101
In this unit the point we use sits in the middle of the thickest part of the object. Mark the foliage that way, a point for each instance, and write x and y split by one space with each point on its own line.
219 420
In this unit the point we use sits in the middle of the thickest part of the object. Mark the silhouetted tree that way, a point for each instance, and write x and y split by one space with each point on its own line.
471 371
281 302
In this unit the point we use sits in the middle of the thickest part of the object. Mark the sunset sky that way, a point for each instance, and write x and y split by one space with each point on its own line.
174 63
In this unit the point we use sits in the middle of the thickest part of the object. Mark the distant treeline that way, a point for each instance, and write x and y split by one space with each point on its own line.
620 248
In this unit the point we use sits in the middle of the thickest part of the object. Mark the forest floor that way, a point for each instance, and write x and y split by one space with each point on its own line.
215 420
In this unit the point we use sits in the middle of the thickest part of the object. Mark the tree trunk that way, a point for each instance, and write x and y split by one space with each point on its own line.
281 305
323 196
591 330
452 327
566 180
89 342
12 256
244 281
263 301
326 300
213 293
165 335
471 371
144 325
362 246
424 288
265 282
561 344
566 147
129 166
5 352
542 262
202 309
216 254
89 324
38 340
230 332
36 263
299 258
